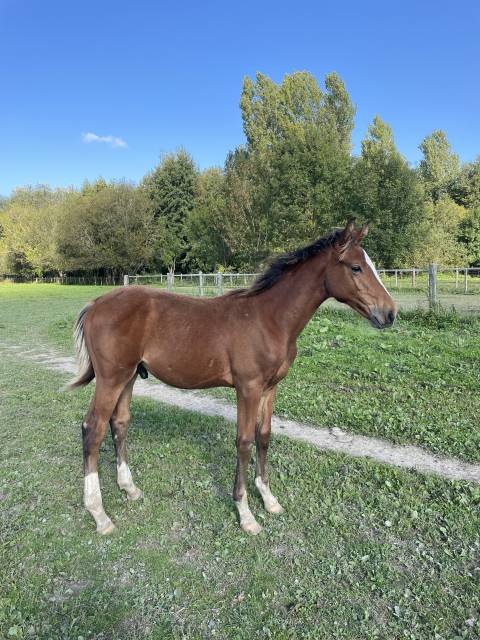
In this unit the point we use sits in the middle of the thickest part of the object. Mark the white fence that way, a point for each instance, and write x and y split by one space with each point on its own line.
457 286
202 284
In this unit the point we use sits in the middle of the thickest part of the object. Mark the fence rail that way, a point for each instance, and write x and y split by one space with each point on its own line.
70 280
415 287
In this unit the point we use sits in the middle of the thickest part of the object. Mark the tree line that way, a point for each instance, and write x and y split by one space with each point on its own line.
294 178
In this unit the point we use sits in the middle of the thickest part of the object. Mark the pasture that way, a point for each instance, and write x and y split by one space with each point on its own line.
362 551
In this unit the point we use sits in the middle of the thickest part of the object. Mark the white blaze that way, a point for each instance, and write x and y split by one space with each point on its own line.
372 267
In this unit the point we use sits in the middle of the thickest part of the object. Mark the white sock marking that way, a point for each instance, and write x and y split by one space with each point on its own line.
92 497
269 500
247 519
125 481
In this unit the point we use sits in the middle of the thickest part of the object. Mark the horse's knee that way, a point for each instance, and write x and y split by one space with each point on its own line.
244 444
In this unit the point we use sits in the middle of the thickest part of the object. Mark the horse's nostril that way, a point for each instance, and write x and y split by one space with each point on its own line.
391 317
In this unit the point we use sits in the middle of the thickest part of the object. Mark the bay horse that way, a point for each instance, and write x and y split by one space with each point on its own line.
244 339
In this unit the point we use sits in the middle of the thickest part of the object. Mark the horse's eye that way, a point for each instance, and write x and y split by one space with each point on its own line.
356 268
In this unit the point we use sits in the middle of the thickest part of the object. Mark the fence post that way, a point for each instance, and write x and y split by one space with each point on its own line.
456 278
200 282
465 281
219 283
432 285
414 279
126 280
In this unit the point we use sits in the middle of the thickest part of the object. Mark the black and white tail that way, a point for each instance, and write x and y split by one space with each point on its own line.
85 373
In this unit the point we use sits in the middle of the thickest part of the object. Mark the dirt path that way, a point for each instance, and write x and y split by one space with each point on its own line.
333 439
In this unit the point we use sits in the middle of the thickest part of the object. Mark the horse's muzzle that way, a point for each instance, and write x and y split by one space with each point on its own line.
382 318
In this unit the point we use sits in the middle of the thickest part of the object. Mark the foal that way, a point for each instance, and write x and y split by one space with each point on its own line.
245 339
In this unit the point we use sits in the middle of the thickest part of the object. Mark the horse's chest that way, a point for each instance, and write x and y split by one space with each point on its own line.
282 368
282 371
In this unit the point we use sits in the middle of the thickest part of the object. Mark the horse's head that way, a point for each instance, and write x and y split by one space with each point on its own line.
352 278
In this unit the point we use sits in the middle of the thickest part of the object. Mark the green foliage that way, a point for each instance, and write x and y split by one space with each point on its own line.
247 225
171 188
112 228
205 223
309 187
292 182
469 235
339 110
386 192
28 222
271 112
438 233
465 189
439 166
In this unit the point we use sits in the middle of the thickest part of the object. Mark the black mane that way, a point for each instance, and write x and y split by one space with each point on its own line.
287 261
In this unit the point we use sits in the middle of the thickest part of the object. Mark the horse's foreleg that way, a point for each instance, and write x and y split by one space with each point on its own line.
119 428
247 410
93 431
262 439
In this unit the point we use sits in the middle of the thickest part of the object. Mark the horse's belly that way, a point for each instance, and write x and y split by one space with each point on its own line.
188 373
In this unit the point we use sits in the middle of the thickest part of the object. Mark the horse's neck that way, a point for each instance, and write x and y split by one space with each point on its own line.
294 299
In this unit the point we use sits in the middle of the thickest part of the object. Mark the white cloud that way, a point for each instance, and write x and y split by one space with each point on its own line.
114 142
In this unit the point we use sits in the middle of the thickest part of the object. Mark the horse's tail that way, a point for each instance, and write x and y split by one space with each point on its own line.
85 373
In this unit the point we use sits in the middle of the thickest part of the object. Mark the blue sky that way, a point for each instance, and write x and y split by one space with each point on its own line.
152 76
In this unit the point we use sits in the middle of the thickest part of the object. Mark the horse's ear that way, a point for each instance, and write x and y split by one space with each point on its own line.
346 236
361 233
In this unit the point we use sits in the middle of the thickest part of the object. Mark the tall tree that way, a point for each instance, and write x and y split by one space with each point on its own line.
28 223
291 179
469 235
111 230
388 193
439 166
247 224
339 110
205 224
271 111
171 188
465 189
309 187
438 235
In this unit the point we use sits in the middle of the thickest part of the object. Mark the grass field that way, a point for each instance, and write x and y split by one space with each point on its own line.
415 384
362 551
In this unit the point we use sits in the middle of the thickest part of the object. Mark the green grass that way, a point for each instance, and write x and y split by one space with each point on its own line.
362 551
415 384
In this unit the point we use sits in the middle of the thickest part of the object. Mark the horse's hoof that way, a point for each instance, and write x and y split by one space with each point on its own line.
276 508
106 528
135 495
252 527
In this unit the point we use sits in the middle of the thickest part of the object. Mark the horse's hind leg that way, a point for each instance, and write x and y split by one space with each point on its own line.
119 427
94 429
262 438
